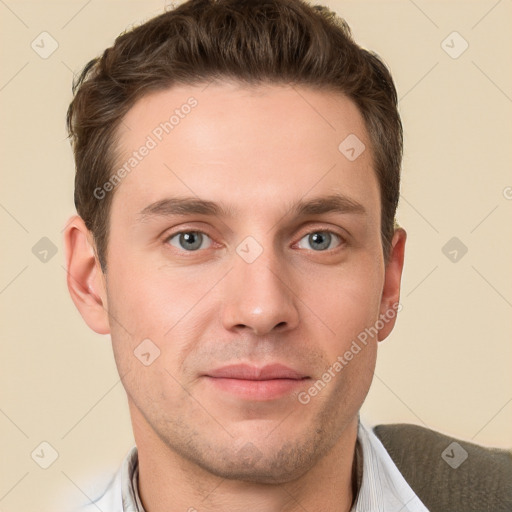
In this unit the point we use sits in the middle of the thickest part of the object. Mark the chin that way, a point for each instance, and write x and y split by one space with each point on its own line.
262 472
277 465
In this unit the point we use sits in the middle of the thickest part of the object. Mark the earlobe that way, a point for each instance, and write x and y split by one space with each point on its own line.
390 301
85 280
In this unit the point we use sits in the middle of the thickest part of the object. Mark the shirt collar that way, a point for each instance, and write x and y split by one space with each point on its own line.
383 488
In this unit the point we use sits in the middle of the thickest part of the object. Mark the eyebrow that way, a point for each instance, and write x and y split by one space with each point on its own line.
171 206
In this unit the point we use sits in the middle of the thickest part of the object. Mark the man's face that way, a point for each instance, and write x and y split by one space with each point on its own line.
258 284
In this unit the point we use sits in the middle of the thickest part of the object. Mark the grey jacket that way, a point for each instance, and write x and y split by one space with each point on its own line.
447 474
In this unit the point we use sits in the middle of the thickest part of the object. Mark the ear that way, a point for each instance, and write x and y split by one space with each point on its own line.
85 279
390 301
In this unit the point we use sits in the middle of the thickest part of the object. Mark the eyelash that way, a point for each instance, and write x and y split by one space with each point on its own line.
342 240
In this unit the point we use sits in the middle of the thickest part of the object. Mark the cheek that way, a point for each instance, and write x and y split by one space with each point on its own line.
348 302
150 300
172 304
168 306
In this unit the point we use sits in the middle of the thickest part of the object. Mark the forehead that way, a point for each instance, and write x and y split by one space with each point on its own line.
246 147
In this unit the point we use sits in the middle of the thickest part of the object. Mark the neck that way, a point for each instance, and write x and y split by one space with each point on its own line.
168 482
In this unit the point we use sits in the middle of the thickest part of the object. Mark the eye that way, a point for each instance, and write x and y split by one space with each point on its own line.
189 240
319 240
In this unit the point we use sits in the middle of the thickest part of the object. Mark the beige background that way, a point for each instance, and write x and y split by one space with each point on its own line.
447 365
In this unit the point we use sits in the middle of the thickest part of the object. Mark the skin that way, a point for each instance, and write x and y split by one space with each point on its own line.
257 151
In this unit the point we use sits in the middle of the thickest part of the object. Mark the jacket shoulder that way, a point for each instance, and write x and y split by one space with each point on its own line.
450 474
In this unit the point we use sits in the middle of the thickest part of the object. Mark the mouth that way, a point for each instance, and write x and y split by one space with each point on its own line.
256 383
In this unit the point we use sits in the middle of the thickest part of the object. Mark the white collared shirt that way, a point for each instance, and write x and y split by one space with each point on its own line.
383 488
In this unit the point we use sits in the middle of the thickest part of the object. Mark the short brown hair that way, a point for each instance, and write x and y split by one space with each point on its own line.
250 41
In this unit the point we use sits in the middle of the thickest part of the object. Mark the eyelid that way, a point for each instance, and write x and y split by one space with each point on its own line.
168 236
313 227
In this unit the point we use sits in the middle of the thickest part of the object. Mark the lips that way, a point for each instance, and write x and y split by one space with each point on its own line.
247 372
253 383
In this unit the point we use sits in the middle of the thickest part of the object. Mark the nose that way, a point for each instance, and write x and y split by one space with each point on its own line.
259 296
